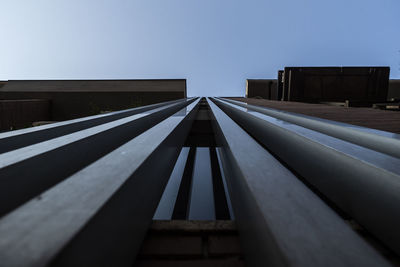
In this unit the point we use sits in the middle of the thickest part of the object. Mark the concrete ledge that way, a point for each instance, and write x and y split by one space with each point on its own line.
194 226
191 263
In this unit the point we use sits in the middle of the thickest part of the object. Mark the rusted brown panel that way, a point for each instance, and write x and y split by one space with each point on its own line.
16 114
367 117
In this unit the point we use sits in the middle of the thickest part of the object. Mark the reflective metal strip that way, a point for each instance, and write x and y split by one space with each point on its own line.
182 200
223 177
167 202
26 172
384 142
372 157
281 222
25 137
221 196
362 182
102 211
202 195
346 125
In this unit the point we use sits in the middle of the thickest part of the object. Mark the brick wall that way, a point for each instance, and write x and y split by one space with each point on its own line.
191 243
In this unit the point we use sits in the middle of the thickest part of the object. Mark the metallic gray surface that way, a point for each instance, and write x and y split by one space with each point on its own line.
372 157
223 177
363 183
202 196
24 137
381 141
167 202
99 215
28 171
281 222
351 126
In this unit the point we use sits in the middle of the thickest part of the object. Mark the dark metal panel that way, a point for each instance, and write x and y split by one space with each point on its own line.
281 222
28 171
394 90
362 182
98 216
20 138
279 87
365 85
261 88
20 113
360 136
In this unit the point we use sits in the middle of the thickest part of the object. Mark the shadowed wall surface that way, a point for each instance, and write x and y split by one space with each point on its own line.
69 99
394 89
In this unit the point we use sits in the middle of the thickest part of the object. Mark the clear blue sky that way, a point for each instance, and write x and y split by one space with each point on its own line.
215 44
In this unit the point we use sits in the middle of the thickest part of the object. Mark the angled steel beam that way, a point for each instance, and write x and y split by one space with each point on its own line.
27 171
24 137
167 203
281 222
346 125
220 196
362 182
181 207
99 215
384 142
